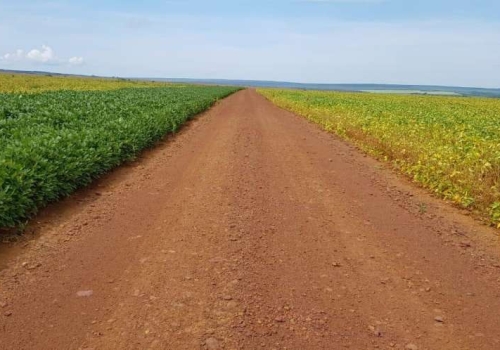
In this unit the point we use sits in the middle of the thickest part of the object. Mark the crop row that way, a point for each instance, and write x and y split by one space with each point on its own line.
54 142
450 145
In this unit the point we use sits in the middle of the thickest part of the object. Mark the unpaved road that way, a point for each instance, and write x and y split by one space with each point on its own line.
252 229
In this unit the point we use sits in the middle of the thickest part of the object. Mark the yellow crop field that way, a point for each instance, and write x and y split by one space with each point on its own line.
450 145
27 83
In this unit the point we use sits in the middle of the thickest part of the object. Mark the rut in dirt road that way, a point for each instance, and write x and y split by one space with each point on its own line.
253 229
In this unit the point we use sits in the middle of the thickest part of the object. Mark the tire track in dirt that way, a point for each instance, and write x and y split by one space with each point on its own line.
253 229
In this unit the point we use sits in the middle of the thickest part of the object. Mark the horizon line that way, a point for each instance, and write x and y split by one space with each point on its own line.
247 80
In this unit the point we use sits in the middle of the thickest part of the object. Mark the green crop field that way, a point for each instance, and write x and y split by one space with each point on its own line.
54 142
450 145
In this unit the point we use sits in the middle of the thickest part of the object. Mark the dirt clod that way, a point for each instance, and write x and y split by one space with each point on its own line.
280 319
212 344
439 319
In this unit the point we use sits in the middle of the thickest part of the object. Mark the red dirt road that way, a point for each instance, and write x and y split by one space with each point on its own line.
253 229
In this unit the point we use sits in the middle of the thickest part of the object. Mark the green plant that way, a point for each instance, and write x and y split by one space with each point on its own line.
54 142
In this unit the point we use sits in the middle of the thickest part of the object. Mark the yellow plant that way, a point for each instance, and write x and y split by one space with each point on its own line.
28 83
450 145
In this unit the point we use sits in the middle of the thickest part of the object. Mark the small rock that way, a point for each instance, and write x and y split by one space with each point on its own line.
232 304
280 319
465 244
212 344
84 293
376 331
336 264
8 313
439 319
3 304
32 267
227 297
411 347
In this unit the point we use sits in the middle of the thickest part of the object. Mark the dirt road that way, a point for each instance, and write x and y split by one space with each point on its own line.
252 229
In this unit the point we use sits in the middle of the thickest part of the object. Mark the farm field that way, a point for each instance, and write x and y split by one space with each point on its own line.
251 228
413 92
54 142
249 175
29 83
450 145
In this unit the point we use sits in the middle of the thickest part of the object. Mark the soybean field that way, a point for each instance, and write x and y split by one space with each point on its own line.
251 229
450 145
51 143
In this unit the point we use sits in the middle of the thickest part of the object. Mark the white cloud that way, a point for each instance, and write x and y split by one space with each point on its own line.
16 56
76 61
45 56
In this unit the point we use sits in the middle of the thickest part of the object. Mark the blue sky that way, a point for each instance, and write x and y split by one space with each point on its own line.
326 41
